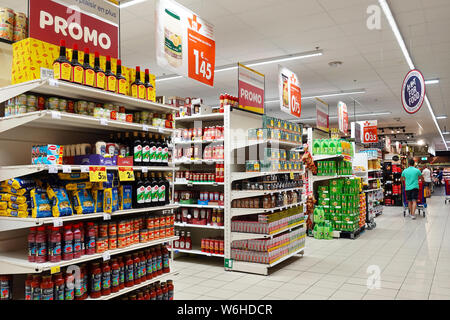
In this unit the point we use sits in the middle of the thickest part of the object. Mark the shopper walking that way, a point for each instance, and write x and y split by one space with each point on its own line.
440 176
426 173
410 177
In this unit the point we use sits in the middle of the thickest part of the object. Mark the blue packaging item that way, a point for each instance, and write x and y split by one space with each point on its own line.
115 199
59 198
98 199
125 197
83 202
40 205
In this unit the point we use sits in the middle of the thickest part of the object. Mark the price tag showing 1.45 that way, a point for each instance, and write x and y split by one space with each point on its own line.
97 174
126 174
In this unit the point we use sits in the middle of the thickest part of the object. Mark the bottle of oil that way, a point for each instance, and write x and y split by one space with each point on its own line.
122 84
158 158
77 68
145 150
149 90
152 145
137 87
163 190
100 77
111 80
139 193
62 69
137 150
155 190
89 73
164 153
148 191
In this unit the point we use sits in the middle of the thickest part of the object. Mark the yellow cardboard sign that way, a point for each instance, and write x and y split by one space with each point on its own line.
97 174
126 174
54 270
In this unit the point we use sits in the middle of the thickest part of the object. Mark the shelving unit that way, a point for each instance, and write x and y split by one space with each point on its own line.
197 252
201 226
20 132
237 148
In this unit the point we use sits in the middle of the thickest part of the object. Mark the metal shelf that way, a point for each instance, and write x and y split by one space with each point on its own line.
198 142
16 262
199 162
186 225
240 194
323 178
201 117
75 91
13 223
198 206
275 143
196 251
162 277
199 184
371 190
9 172
246 236
66 121
236 212
326 157
249 175
260 268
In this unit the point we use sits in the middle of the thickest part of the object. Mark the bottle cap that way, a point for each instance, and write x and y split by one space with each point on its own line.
119 62
108 58
96 54
138 69
147 71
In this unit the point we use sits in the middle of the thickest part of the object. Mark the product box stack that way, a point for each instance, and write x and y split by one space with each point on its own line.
332 147
332 168
323 228
340 202
362 209
277 130
275 160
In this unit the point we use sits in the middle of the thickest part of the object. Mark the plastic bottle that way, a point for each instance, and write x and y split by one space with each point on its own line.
121 273
137 265
55 245
59 286
83 246
67 243
90 238
129 271
28 289
115 276
159 261
36 288
159 293
96 281
149 263
47 288
79 286
153 293
32 245
170 289
154 263
106 279
69 290
41 245
165 255
85 280
76 241
143 266
181 241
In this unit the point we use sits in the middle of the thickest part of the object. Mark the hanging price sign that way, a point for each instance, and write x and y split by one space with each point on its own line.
97 174
370 132
126 174
202 57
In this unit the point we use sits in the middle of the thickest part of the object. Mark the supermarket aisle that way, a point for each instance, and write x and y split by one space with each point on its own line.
413 257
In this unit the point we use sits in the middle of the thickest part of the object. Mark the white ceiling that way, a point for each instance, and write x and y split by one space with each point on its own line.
255 29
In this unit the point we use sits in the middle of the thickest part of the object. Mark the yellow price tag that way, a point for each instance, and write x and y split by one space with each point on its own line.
126 174
291 175
54 270
97 174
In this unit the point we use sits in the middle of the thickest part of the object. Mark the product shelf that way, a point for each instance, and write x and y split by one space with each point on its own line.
186 225
273 143
162 277
199 206
198 162
324 178
198 142
198 184
196 251
261 268
16 262
249 175
14 223
9 172
236 212
326 157
75 91
372 190
247 236
240 194
204 117
66 121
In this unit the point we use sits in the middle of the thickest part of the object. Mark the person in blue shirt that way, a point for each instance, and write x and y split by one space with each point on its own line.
410 177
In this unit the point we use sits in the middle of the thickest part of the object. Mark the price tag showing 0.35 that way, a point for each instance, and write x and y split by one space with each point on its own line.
126 174
97 174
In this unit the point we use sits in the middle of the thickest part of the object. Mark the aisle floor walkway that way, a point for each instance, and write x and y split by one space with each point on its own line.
413 257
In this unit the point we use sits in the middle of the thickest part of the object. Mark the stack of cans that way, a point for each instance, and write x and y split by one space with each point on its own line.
6 24
20 26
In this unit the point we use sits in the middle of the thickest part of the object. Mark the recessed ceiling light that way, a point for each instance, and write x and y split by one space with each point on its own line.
446 132
441 117
335 64
432 81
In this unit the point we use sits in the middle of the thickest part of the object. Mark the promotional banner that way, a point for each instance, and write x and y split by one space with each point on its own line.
289 92
388 143
413 91
369 131
322 118
185 42
92 24
251 89
342 117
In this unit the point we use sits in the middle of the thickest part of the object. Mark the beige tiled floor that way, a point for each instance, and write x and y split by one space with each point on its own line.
413 256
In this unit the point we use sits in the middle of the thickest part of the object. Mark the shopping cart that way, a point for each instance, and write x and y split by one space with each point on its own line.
447 190
421 202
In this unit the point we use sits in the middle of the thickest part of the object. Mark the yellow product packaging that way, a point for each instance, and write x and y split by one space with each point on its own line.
15 183
83 203
14 191
73 176
3 205
12 198
16 206
16 213
60 202
107 200
78 186
3 213
130 74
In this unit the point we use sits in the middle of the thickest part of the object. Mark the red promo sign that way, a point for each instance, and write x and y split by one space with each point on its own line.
296 100
251 89
370 132
343 117
202 57
52 22
322 118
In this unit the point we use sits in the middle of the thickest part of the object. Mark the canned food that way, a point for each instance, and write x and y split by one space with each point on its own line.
112 229
91 107
129 239
109 106
81 107
156 234
150 223
22 109
99 112
41 103
162 233
122 241
162 222
151 235
62 105
31 101
129 118
144 115
53 104
113 115
136 225
136 237
121 109
103 230
70 106
121 116
122 228
31 109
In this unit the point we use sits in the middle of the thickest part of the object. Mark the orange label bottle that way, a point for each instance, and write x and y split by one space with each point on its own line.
111 80
77 68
